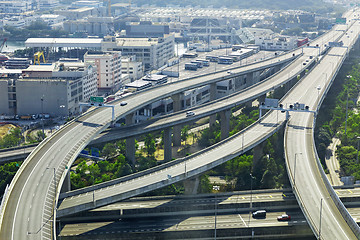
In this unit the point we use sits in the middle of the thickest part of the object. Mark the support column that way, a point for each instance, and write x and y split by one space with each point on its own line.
130 142
249 79
212 120
258 153
225 123
167 145
66 187
191 185
177 128
262 98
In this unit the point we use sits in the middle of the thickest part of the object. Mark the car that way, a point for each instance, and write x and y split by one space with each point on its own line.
259 214
284 217
123 103
190 113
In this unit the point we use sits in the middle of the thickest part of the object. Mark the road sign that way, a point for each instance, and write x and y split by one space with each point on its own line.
340 21
97 99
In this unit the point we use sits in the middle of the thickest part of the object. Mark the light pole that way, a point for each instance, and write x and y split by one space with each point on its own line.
42 113
357 154
251 179
321 201
215 188
295 167
346 117
318 88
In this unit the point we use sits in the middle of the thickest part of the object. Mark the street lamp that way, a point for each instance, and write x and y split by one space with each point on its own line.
251 179
318 88
357 154
295 167
215 188
321 201
42 113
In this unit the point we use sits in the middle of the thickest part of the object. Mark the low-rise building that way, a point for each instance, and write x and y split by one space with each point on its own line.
153 52
131 67
55 89
273 42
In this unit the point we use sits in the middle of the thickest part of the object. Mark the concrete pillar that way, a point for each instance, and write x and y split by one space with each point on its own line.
66 187
176 129
262 98
277 68
167 144
249 79
191 185
258 153
225 123
130 142
212 120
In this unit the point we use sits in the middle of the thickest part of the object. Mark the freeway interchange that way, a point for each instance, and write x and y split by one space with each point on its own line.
30 205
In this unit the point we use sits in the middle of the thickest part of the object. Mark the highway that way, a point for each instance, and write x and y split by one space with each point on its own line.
305 172
34 190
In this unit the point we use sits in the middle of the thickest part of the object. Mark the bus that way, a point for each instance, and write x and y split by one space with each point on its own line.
212 58
225 60
198 63
191 66
189 55
204 62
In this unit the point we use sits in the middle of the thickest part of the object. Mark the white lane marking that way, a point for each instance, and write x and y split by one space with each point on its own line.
242 220
23 188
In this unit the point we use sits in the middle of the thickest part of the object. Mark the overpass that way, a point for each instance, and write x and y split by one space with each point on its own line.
323 210
57 153
156 216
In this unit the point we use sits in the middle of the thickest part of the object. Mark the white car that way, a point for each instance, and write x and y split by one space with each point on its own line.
190 113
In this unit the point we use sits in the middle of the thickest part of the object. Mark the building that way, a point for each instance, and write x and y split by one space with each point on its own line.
52 19
131 67
84 3
55 89
108 65
146 29
153 52
273 42
91 25
14 6
47 4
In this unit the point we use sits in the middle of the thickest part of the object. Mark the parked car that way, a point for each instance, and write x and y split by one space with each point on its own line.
284 217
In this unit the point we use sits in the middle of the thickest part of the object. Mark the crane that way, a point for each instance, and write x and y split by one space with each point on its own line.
3 44
37 57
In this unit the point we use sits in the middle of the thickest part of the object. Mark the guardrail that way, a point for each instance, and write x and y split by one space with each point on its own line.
340 206
350 221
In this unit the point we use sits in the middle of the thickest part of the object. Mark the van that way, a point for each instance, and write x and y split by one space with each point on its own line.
259 214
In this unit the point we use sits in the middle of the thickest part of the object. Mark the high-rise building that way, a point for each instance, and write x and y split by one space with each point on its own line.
108 65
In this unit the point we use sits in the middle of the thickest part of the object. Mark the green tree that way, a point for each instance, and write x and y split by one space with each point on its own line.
150 146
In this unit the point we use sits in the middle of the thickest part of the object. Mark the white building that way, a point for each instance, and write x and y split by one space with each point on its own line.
273 42
14 6
47 4
52 19
130 66
153 52
108 65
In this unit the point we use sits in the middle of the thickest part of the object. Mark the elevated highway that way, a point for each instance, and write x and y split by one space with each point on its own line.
30 203
323 210
160 215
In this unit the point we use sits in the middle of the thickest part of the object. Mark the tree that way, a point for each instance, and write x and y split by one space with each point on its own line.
150 146
109 150
184 133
